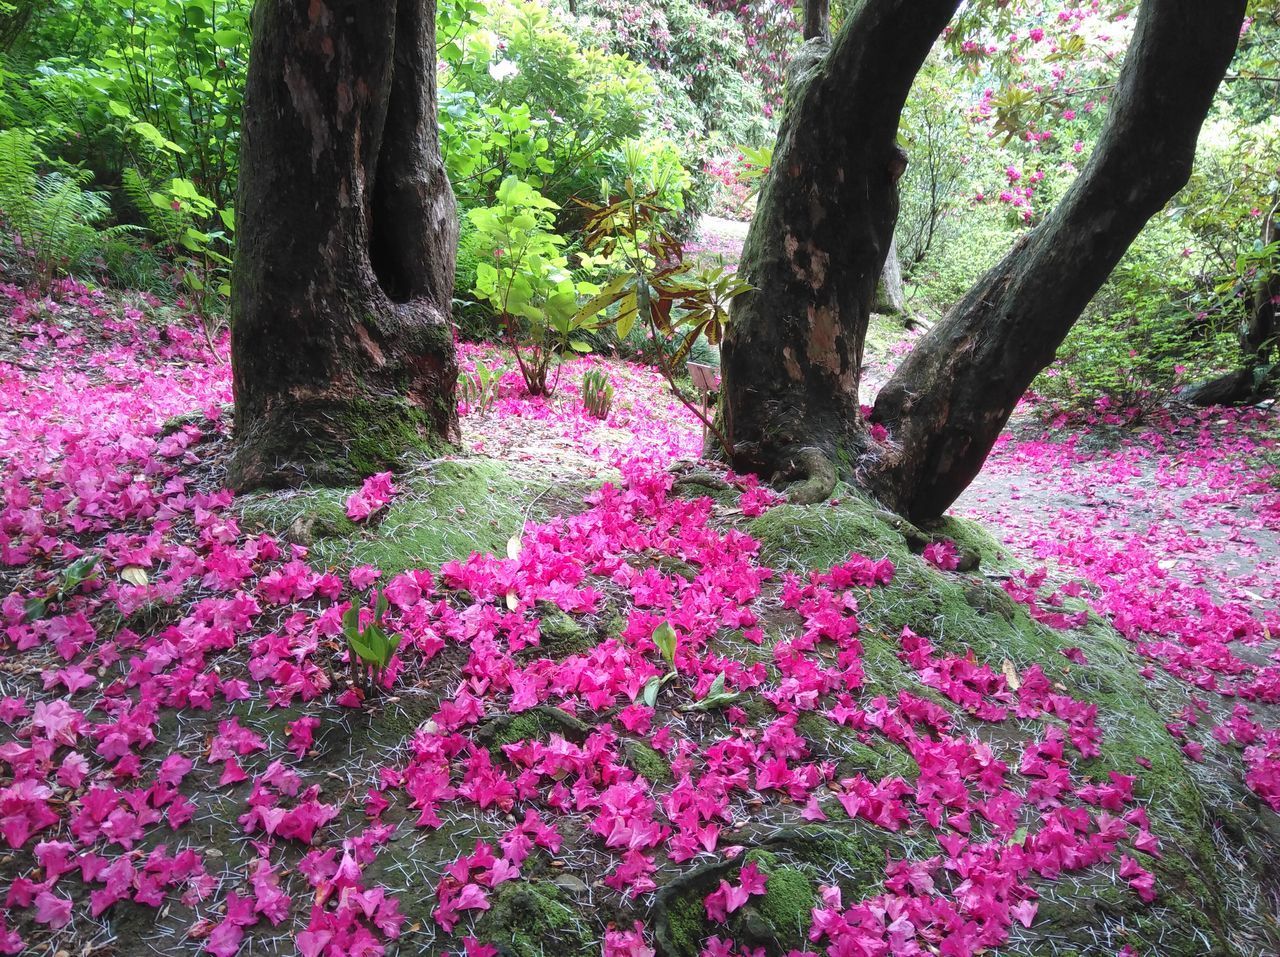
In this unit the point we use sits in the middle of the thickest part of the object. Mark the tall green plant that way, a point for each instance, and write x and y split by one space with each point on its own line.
655 286
528 283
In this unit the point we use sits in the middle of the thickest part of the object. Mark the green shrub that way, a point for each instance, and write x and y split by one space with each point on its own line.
1141 336
970 240
527 282
703 53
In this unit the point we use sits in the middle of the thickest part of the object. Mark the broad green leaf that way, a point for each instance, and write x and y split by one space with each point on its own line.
664 636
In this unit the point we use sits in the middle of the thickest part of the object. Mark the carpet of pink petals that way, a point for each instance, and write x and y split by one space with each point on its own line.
103 806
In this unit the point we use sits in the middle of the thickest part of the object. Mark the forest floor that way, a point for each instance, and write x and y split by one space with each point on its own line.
639 705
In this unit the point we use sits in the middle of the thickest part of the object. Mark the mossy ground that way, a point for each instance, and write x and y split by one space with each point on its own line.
450 508
446 509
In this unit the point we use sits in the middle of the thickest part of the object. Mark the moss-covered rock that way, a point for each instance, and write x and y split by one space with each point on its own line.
645 761
560 635
795 862
529 919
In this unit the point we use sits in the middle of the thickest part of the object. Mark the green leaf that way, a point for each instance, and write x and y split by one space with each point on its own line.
664 636
34 609
650 693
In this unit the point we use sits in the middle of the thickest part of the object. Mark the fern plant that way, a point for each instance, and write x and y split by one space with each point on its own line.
53 219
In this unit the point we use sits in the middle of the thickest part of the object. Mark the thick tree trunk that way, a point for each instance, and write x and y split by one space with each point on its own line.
342 352
817 245
950 399
890 298
817 14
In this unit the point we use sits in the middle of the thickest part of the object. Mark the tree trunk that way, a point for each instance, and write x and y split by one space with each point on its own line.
342 352
817 14
950 399
890 298
817 246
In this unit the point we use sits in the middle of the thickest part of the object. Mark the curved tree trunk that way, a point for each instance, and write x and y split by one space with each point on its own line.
342 352
949 400
816 248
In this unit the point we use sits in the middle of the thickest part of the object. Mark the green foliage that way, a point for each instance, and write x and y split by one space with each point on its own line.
1138 339
521 96
145 97
703 52
931 189
597 393
54 219
163 91
478 389
369 647
80 572
528 283
198 236
967 244
654 286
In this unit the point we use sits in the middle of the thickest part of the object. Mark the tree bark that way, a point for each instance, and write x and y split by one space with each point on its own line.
342 352
890 298
817 15
817 246
950 399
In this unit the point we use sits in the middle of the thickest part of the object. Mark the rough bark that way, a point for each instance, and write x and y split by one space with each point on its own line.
817 15
342 353
890 298
817 245
950 399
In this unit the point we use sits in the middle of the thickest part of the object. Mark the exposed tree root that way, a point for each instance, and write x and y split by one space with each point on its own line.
818 474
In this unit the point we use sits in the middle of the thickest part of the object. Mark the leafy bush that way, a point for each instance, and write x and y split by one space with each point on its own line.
522 97
1138 339
527 281
969 241
703 52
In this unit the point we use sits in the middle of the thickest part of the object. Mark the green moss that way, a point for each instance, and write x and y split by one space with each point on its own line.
799 538
686 925
787 902
445 510
383 431
536 724
645 761
560 635
974 539
528 919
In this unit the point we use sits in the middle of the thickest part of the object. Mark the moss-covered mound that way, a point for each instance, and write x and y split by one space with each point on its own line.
1216 880
446 509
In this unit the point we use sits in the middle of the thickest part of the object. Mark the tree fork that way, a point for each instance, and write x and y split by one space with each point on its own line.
342 353
948 402
817 245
